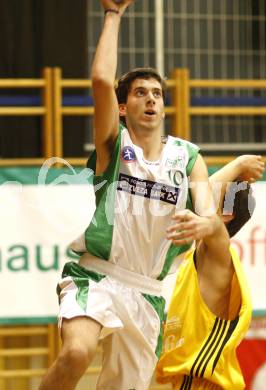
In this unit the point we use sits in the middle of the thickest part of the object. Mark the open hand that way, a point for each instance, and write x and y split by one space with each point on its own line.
188 227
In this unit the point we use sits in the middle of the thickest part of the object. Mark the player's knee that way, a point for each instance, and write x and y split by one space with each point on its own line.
76 357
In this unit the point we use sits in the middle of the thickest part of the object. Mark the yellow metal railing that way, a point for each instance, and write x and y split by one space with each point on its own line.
19 347
44 111
185 111
52 110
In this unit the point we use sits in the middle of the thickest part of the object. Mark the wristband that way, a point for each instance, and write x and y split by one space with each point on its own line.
111 10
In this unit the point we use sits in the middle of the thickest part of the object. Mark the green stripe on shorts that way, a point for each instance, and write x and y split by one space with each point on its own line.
81 277
158 303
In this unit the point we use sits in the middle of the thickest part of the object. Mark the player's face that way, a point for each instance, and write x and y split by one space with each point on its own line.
145 105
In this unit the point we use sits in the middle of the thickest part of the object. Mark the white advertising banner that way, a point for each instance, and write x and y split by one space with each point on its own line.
39 221
37 225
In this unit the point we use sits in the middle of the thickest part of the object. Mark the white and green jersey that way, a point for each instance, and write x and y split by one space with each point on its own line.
135 203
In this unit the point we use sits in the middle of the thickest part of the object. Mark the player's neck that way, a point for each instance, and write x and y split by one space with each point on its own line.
150 142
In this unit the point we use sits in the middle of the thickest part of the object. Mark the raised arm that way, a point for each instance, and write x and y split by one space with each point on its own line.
215 270
202 197
247 167
213 258
106 115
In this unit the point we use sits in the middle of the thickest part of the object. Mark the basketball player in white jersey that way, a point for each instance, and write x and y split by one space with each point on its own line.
114 293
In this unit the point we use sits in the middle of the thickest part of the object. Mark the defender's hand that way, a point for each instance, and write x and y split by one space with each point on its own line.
251 167
188 227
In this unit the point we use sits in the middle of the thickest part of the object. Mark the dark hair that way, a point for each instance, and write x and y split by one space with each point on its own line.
125 82
243 205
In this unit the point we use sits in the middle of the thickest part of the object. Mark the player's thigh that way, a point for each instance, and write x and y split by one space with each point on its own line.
131 357
80 332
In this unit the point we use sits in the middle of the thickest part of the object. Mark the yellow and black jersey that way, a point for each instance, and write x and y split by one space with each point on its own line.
200 348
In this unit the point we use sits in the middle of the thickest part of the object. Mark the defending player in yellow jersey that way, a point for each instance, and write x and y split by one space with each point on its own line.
210 309
199 346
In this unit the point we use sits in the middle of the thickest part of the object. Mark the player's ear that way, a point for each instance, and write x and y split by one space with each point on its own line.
122 109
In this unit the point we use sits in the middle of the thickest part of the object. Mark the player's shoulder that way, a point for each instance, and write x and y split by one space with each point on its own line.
186 150
179 142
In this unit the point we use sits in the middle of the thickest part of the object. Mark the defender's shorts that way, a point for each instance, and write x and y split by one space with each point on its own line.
131 320
194 384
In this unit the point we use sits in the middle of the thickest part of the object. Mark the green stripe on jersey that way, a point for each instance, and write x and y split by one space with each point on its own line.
99 234
172 253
